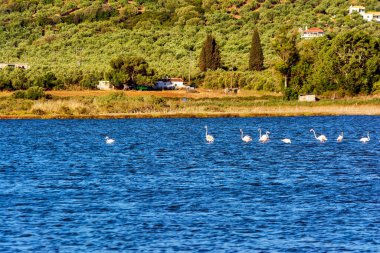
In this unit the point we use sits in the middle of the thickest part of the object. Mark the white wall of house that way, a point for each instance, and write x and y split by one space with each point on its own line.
369 16
170 83
178 84
360 9
105 85
307 98
312 33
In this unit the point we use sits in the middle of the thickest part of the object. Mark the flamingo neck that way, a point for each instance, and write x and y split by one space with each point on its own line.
314 134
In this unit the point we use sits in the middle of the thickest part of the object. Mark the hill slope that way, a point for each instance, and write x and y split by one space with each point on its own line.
75 40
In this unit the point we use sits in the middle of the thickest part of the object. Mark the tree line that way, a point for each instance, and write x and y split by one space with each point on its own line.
78 43
345 64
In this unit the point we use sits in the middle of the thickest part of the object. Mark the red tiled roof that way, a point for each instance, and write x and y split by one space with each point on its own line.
176 79
314 30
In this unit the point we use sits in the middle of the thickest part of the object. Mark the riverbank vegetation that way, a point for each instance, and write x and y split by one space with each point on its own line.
175 104
76 43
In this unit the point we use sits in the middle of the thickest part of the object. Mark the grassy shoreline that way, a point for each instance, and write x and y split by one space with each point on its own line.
177 104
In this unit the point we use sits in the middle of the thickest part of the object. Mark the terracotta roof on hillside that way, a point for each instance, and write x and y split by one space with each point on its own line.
176 79
314 30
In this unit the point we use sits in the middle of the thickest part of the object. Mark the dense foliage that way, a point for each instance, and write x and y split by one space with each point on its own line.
33 93
71 43
129 71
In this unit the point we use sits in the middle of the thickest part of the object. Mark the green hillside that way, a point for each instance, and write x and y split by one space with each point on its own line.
73 42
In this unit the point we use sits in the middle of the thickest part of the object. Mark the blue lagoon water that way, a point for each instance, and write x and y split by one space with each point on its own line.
161 188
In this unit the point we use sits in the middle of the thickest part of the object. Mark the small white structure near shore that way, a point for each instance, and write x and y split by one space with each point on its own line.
307 98
170 84
105 85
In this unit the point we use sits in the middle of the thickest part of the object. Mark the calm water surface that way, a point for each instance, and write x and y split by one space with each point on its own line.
161 187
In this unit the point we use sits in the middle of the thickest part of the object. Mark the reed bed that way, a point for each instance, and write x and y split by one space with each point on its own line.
119 105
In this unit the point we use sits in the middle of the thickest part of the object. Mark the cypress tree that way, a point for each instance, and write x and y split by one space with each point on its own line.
210 55
256 57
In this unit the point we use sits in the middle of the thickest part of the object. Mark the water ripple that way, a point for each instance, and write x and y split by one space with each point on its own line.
161 187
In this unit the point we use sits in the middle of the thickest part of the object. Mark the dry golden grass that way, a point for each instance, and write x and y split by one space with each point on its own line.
58 107
288 110
200 93
111 104
5 93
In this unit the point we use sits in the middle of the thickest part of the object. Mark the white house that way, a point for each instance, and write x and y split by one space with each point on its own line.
359 9
105 85
170 84
14 65
313 32
369 16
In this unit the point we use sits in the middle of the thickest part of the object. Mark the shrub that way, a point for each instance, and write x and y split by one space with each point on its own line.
290 94
33 93
38 111
18 94
376 88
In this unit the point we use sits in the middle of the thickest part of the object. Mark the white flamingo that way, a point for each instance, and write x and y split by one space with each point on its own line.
209 138
365 139
340 138
264 138
109 140
286 140
246 138
321 138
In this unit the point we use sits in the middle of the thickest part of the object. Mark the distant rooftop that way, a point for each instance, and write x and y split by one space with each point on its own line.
314 30
358 7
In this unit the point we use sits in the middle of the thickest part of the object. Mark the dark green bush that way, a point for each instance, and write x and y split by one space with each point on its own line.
33 93
290 94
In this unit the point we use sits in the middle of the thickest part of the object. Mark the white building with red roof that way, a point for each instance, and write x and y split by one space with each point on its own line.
311 33
170 83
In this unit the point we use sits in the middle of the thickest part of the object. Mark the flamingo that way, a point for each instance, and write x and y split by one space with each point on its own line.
365 139
264 138
209 138
340 138
109 140
286 140
321 138
246 138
